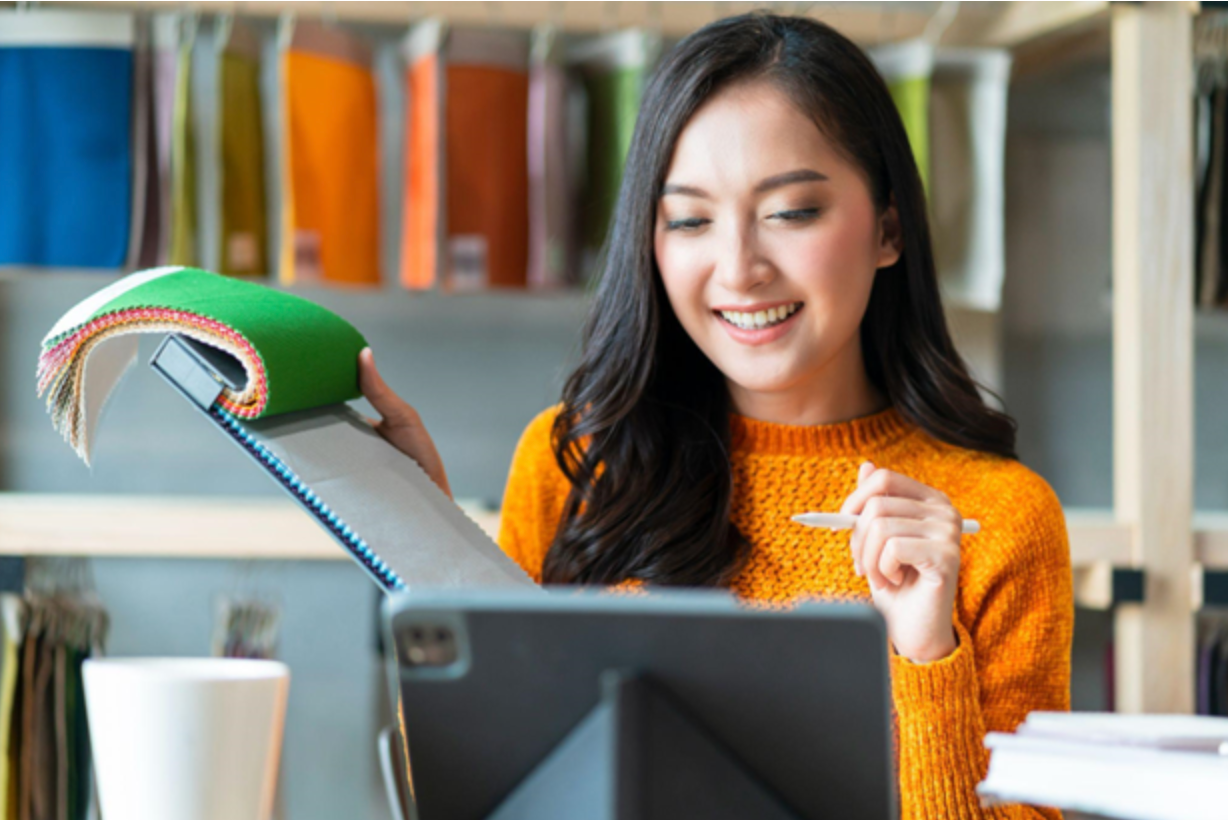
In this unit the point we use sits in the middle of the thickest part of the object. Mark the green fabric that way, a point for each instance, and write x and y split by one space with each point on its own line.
244 236
310 354
614 103
912 99
183 165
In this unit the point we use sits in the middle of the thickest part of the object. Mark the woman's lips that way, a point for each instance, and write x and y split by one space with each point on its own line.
759 336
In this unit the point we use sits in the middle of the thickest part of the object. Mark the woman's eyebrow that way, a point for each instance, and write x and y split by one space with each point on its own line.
771 183
789 178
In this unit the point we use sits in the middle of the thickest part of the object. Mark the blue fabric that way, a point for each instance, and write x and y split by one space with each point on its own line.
65 156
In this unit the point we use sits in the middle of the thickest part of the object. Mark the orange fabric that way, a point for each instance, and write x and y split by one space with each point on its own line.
331 225
1014 608
488 166
420 233
485 171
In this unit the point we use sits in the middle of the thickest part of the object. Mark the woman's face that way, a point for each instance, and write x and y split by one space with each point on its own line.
768 240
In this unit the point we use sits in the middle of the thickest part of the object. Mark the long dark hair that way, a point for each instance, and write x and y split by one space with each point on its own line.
643 434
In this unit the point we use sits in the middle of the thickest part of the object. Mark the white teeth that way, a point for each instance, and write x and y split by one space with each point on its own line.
761 318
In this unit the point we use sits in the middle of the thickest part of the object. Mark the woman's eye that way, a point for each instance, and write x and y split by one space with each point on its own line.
686 224
798 215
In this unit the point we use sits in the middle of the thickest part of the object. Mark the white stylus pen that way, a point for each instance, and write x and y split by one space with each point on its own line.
838 521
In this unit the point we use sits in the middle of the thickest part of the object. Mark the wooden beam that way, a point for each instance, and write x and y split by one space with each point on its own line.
1005 24
1153 335
169 527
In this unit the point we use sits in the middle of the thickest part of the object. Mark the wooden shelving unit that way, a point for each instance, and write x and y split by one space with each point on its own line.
1151 527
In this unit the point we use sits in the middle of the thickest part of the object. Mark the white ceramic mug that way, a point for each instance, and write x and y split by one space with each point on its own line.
186 738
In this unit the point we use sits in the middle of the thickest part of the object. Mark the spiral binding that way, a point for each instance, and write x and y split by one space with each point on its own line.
363 553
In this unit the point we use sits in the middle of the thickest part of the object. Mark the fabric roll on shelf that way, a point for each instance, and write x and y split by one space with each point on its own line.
967 172
614 69
330 174
553 154
46 633
1211 160
908 69
66 93
466 221
241 201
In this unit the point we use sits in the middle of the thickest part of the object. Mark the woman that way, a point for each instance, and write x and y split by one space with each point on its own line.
767 338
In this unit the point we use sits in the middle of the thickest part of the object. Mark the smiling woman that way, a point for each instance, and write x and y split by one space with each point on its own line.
767 338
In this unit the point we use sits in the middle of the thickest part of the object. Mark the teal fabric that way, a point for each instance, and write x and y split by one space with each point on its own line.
310 354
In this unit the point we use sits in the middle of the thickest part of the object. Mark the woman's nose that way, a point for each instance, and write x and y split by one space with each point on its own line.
742 264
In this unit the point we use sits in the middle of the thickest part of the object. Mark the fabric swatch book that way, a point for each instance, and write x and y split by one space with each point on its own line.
273 372
1133 767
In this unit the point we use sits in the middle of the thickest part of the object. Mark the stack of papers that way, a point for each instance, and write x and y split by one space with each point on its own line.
1133 767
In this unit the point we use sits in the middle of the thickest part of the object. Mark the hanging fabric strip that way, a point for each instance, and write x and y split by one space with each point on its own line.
243 234
330 186
66 138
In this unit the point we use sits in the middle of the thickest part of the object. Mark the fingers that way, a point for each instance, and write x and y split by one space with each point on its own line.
394 410
880 560
900 554
872 481
882 507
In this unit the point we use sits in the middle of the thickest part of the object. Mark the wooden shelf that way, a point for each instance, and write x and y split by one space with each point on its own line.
115 526
1005 24
196 527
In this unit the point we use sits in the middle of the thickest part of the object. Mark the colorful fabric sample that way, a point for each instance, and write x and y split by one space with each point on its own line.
184 222
967 197
614 69
908 68
294 353
551 262
243 236
468 178
66 159
330 184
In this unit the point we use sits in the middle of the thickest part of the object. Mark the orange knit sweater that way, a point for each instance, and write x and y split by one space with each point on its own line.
1014 609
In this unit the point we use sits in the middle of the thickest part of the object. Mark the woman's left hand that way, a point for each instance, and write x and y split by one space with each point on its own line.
906 544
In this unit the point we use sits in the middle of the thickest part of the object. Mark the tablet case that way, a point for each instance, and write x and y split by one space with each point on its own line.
678 704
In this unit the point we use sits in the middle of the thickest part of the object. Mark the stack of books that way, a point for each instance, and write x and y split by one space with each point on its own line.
1132 767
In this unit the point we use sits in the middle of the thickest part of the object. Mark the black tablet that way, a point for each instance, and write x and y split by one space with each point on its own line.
681 704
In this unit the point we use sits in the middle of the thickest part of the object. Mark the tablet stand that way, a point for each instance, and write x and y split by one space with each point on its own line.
638 755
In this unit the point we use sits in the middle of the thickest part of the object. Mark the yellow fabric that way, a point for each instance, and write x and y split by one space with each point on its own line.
244 235
183 164
331 182
1014 608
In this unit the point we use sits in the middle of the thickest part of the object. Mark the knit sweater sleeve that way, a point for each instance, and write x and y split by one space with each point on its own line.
1014 622
533 498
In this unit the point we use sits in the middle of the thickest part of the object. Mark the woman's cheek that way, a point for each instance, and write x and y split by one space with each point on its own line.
682 274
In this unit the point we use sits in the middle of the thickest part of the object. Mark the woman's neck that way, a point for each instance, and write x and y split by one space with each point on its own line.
840 392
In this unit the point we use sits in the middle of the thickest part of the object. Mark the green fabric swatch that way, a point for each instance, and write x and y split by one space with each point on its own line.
912 99
310 354
614 103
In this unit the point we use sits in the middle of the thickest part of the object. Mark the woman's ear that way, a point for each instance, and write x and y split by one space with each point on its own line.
890 236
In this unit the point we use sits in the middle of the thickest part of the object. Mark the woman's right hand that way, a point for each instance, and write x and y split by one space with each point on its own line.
399 423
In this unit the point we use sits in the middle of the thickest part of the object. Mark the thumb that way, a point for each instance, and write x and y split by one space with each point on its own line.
376 390
864 472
